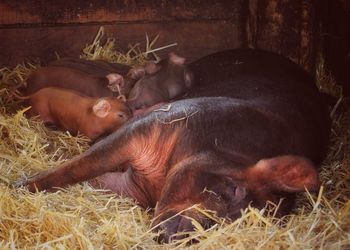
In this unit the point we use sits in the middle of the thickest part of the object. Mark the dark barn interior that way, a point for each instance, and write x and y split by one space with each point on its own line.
314 34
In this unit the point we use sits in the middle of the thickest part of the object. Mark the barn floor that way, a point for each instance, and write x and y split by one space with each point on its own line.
80 217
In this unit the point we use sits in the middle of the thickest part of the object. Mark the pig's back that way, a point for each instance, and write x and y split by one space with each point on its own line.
275 82
98 68
244 130
225 65
271 84
67 78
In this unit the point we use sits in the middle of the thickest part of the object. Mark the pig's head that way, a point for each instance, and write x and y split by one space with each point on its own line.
107 115
161 82
227 191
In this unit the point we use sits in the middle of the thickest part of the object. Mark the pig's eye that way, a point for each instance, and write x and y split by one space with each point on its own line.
120 115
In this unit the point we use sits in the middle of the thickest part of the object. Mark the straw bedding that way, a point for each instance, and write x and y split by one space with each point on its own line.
79 217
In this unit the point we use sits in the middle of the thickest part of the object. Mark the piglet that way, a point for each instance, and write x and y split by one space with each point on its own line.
93 67
162 82
102 68
74 79
74 112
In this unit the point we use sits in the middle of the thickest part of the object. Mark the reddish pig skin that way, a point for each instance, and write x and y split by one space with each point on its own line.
112 84
62 77
237 138
74 112
98 68
101 68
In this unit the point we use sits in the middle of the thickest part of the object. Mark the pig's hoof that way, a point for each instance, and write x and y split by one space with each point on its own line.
27 182
20 183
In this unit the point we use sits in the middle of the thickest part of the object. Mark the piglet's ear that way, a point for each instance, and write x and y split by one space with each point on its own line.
137 72
152 68
101 108
115 81
176 59
285 173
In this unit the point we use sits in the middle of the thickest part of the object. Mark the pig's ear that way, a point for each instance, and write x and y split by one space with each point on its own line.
176 59
101 108
152 68
137 72
115 82
285 173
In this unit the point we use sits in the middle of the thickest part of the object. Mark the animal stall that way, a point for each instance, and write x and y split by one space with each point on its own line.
130 35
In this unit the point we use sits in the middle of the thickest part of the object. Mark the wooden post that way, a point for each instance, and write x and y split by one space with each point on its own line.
286 27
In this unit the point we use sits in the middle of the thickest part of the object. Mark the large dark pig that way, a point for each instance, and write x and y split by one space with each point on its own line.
253 129
102 68
162 82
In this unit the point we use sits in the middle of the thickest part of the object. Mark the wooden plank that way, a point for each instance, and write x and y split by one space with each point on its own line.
27 12
34 28
194 39
345 5
286 27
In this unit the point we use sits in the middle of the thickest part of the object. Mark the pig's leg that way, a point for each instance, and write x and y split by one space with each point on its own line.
107 155
135 145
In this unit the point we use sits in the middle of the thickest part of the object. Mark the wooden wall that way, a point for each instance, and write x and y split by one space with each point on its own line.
335 38
38 28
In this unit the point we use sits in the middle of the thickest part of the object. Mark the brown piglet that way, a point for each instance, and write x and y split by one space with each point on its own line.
74 79
74 112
